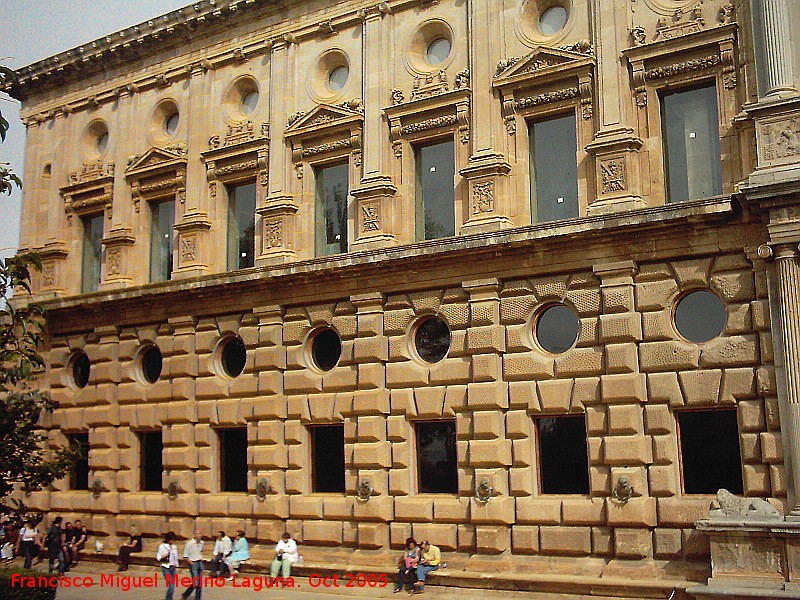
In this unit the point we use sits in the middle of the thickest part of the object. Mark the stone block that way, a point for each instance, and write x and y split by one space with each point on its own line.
323 533
734 287
400 482
695 544
413 509
371 349
752 416
602 541
429 402
772 414
398 534
621 327
379 508
766 381
443 535
580 362
771 447
700 387
516 309
756 480
373 455
637 512
665 449
633 543
406 374
492 539
451 510
625 419
490 338
664 388
302 381
486 367
599 480
487 425
487 396
622 358
731 351
565 540
498 510
585 392
663 480
596 420
518 339
738 318
682 511
657 326
539 511
452 371
777 477
555 395
373 535
623 388
628 450
371 376
273 456
658 419
586 301
583 511
371 429
490 453
667 543
522 394
398 429
750 447
369 402
655 295
760 314
525 539
522 452
668 356
518 424
521 482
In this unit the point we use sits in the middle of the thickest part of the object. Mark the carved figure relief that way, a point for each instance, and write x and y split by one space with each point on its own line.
397 97
114 262
188 248
370 214
273 234
483 197
781 140
462 80
429 85
678 27
92 171
614 175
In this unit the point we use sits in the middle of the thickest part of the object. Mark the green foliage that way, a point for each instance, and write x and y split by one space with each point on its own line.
8 179
23 593
7 77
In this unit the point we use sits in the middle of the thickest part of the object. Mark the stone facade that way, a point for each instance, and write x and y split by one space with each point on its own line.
622 266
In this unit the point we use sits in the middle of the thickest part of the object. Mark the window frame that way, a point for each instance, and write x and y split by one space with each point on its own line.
72 442
143 467
154 205
320 245
537 449
220 456
416 448
230 195
311 427
419 191
86 221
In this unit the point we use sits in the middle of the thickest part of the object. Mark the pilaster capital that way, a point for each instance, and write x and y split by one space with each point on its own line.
616 273
482 289
371 302
781 251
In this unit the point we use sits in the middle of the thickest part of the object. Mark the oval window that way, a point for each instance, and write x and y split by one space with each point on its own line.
326 349
700 316
338 78
233 357
557 328
151 363
432 339
80 367
438 51
249 102
553 20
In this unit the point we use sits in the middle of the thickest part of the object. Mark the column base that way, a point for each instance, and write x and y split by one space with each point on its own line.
374 213
616 154
488 185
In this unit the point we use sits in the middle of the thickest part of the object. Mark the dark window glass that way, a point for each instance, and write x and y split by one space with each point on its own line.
151 461
233 459
241 225
331 221
326 349
435 214
327 458
437 467
234 357
710 457
79 477
151 364
554 169
432 339
691 136
557 329
92 249
80 369
161 234
563 462
700 316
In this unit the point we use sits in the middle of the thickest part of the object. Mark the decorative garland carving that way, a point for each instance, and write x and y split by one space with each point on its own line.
327 147
246 165
546 98
697 64
434 123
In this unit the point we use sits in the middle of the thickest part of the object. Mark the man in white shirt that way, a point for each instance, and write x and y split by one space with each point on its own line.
193 553
167 555
286 554
222 548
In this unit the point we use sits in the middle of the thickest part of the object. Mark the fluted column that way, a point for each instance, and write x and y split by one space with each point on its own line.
777 68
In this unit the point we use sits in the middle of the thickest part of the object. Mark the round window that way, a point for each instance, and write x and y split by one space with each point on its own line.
79 369
438 51
171 124
249 102
326 349
338 78
557 328
700 316
102 142
432 339
553 20
233 357
150 363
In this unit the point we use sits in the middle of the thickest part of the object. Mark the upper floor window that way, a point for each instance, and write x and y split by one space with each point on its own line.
690 124
554 169
435 205
241 225
161 236
563 455
437 464
92 250
331 220
709 451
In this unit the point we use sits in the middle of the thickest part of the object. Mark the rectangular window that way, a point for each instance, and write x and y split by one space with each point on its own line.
436 198
437 466
554 169
233 459
241 225
563 459
710 456
331 219
691 143
327 458
92 249
150 460
79 477
161 234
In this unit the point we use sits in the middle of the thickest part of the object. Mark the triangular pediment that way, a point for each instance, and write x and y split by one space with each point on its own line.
323 115
542 60
155 157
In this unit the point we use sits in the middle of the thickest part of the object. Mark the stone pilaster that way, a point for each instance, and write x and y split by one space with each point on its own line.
118 245
777 67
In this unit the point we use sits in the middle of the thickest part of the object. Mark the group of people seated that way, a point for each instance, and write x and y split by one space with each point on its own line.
62 543
417 561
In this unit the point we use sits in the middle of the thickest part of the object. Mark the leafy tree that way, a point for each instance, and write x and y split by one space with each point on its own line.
24 459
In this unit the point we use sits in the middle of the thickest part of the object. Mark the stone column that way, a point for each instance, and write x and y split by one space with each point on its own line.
785 310
777 64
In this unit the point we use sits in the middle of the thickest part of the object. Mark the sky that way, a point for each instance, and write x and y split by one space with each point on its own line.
31 30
